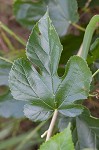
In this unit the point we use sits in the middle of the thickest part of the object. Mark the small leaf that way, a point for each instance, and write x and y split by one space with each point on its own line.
61 12
44 89
61 141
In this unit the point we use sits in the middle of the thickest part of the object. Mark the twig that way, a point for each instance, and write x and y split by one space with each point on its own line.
80 51
78 27
95 73
44 134
19 39
5 59
87 4
52 124
7 41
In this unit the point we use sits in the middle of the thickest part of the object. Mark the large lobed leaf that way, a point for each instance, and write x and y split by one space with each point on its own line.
44 90
61 141
62 13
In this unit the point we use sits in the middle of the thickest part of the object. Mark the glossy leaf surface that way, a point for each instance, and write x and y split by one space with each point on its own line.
44 89
61 141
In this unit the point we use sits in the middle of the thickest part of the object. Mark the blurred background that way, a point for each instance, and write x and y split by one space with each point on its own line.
70 18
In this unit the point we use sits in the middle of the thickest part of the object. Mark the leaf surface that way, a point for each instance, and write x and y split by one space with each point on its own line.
5 68
61 12
61 141
9 107
87 128
42 88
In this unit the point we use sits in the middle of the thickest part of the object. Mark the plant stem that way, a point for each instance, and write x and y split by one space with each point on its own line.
78 27
7 41
88 36
19 39
52 124
30 135
95 73
5 59
87 4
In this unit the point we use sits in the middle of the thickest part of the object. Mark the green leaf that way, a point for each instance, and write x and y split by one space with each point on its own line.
61 141
87 131
44 89
5 68
29 12
36 113
94 52
61 12
10 107
63 122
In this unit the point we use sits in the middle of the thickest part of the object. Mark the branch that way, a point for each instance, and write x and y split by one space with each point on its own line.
95 73
52 124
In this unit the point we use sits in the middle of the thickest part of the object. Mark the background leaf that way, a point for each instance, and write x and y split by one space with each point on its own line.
87 128
5 68
61 12
10 107
94 52
60 141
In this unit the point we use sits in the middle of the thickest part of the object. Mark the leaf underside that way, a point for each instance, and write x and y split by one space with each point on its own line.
44 90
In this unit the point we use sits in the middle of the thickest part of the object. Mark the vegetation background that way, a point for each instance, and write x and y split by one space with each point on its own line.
14 127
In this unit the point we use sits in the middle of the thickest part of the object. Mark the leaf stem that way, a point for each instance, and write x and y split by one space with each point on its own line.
87 4
78 27
52 124
95 73
5 59
19 39
7 41
88 36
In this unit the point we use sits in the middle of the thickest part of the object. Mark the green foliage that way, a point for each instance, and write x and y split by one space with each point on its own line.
9 107
36 82
94 52
61 141
45 91
5 68
87 128
61 12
